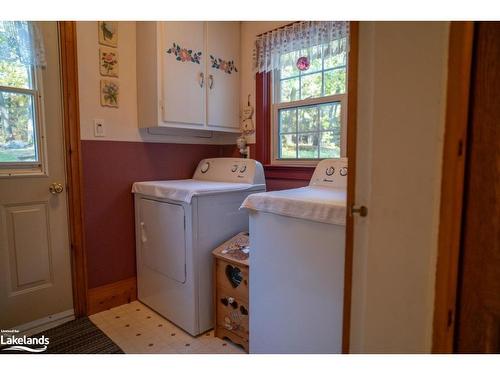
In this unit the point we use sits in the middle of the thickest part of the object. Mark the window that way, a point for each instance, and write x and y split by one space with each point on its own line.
19 100
309 107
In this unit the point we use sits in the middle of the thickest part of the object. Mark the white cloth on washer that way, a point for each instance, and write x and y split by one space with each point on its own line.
315 203
185 190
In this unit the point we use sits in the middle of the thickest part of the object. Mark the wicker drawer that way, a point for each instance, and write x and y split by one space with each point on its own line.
233 278
232 314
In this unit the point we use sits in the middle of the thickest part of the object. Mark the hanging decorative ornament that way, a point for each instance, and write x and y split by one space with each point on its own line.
303 63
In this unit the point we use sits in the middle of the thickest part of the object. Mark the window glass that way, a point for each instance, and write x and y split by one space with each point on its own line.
310 132
18 136
324 76
310 126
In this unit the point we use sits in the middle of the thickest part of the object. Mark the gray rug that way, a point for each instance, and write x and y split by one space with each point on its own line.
79 336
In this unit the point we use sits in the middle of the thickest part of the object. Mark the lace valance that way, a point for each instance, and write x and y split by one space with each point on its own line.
22 42
298 36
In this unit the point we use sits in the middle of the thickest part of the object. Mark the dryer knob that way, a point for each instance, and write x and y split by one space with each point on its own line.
343 171
329 171
243 169
204 168
234 168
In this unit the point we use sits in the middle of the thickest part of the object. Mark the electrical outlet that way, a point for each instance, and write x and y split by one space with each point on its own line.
99 130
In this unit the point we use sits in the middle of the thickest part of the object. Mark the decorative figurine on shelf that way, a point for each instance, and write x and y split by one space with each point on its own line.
246 126
241 143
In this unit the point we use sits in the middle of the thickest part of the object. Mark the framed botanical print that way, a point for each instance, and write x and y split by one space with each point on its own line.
108 62
108 33
110 91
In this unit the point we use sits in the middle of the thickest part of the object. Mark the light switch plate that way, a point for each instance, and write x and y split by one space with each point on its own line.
99 130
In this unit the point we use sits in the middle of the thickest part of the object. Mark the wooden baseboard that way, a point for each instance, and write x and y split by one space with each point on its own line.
111 295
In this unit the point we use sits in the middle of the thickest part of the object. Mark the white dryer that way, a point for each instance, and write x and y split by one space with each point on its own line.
296 288
178 224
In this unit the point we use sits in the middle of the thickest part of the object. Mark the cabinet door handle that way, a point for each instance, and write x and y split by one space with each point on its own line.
202 80
211 81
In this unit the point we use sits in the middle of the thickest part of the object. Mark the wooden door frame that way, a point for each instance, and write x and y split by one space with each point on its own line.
352 108
452 184
71 126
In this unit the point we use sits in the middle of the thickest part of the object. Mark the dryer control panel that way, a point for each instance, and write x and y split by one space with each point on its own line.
330 173
241 170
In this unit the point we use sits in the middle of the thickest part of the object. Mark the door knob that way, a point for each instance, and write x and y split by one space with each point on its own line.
361 210
56 188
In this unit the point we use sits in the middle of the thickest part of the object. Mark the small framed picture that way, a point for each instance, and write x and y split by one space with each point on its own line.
108 62
110 93
108 33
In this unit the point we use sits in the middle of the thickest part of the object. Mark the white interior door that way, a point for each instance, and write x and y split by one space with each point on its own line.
183 72
35 271
223 70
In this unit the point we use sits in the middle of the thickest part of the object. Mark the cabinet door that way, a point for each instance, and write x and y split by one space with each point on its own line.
182 68
223 70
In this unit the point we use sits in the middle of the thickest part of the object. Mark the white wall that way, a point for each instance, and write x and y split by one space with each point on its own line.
402 80
249 30
120 123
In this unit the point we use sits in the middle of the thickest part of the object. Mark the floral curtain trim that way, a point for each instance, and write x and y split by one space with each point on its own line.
226 66
298 36
184 54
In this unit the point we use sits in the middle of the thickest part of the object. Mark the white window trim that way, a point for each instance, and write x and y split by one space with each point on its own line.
30 169
276 106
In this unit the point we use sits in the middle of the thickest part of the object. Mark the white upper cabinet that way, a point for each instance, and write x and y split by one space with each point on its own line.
188 75
223 51
183 70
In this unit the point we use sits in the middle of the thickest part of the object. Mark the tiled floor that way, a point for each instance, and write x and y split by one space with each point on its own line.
137 329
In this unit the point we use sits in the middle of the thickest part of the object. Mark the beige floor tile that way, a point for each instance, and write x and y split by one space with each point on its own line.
139 330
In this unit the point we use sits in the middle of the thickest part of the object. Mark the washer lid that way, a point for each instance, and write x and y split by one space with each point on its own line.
185 190
315 203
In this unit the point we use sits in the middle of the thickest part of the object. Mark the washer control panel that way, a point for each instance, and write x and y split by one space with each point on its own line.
330 173
247 171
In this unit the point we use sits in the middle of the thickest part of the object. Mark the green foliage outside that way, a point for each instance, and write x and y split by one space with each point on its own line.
312 131
16 110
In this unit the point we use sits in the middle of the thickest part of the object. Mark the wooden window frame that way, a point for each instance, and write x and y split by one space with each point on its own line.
263 153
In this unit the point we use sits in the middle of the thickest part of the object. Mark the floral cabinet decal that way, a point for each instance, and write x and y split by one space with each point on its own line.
227 66
184 54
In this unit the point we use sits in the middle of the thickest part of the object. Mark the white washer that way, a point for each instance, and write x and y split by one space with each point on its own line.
178 224
297 241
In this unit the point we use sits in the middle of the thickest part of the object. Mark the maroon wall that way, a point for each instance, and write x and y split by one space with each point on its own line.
282 184
109 169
